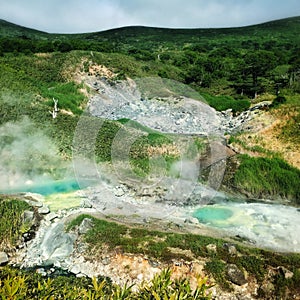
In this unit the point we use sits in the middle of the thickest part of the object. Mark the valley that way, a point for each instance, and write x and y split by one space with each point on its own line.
174 150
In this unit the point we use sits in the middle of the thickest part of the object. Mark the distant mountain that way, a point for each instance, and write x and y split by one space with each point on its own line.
135 34
8 29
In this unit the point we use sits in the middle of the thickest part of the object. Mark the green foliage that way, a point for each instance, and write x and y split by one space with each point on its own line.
263 177
254 265
249 59
67 94
217 269
17 285
13 288
11 222
225 102
162 287
137 240
277 101
290 130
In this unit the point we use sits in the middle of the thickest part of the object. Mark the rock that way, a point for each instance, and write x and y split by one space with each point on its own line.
153 263
106 261
230 248
85 226
3 258
191 220
56 244
285 272
268 289
75 269
41 271
86 203
34 203
44 210
119 191
235 275
37 199
51 216
140 277
211 248
28 216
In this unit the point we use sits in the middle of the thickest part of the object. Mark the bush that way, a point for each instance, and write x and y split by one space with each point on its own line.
277 101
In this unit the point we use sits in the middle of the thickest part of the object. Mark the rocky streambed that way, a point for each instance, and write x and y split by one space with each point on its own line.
162 203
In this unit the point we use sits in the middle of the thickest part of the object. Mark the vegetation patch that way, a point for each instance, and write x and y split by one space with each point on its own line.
12 224
224 102
263 177
67 94
162 246
16 284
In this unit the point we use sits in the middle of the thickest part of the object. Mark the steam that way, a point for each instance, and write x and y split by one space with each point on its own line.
27 155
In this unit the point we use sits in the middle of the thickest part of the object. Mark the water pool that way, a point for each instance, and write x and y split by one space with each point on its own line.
271 226
46 188
213 215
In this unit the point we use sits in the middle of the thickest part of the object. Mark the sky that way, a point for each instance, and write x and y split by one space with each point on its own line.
78 16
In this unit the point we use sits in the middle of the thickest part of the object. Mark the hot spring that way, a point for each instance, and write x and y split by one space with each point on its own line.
46 188
270 226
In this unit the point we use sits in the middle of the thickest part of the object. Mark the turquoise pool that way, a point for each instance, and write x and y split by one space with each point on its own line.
47 188
210 214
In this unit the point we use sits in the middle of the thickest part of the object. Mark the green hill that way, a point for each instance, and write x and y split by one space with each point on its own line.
229 67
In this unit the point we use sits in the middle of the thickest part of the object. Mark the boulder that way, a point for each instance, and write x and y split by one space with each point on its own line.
285 272
212 248
230 248
56 244
44 210
119 191
3 258
191 220
28 216
51 216
235 275
85 225
86 203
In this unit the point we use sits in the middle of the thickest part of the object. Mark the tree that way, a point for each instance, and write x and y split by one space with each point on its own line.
258 64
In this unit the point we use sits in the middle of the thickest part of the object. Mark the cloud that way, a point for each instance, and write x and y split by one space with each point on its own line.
72 16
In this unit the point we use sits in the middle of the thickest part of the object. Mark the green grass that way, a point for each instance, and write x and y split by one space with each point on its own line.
226 102
67 94
137 240
265 177
255 148
12 225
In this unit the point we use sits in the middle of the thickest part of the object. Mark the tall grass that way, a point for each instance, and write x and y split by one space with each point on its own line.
263 177
11 221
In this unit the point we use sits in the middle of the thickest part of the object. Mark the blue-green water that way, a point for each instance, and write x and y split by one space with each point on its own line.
210 214
47 188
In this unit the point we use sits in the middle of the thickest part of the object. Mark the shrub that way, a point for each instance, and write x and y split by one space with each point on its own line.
277 101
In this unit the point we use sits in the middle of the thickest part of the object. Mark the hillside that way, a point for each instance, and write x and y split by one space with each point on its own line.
231 68
141 109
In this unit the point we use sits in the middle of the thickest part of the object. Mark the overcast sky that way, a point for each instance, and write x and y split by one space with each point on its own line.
71 16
